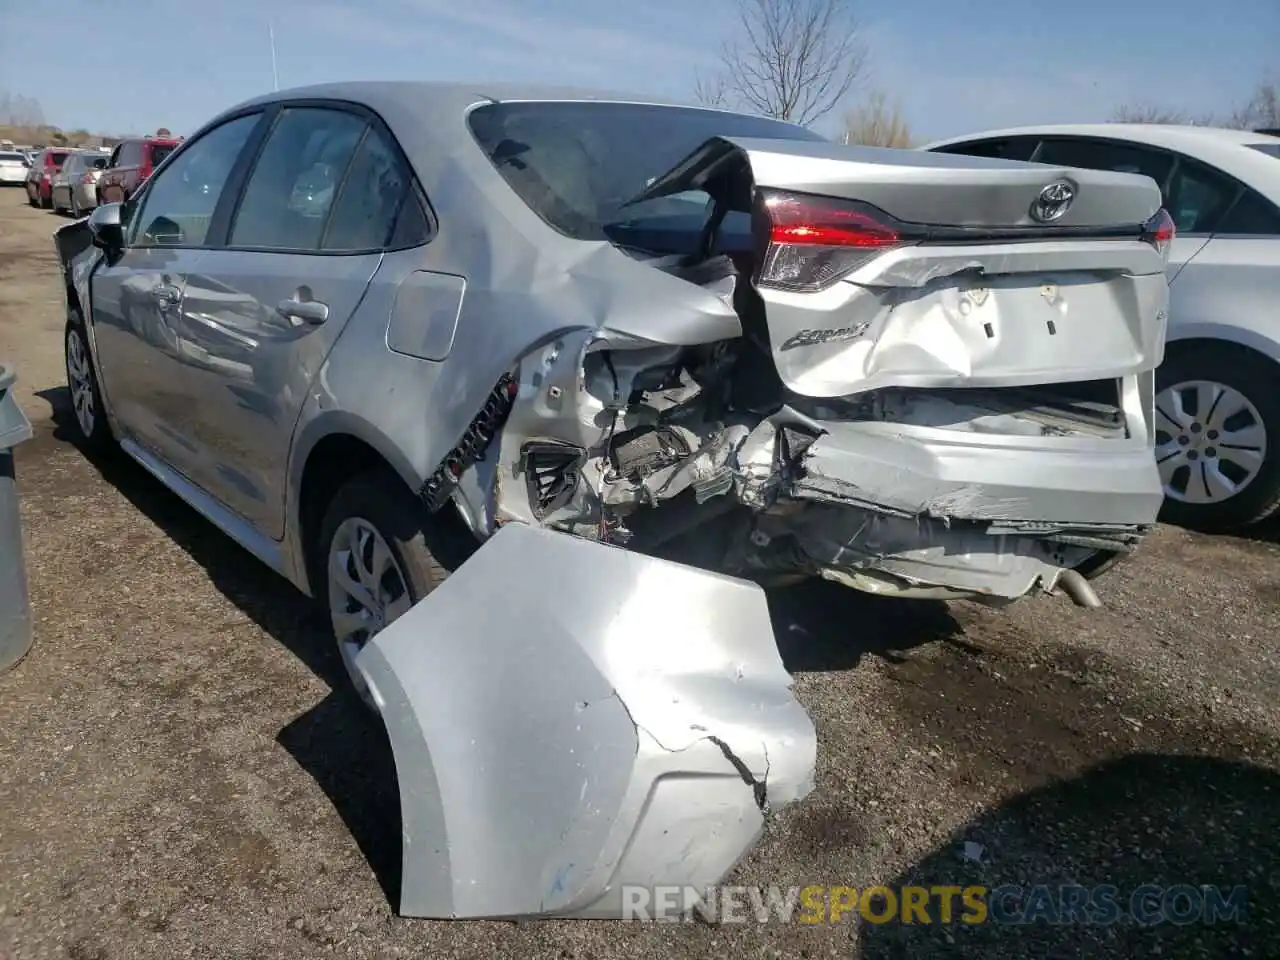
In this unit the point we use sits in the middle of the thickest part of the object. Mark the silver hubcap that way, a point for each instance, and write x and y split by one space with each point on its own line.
80 382
1210 441
367 590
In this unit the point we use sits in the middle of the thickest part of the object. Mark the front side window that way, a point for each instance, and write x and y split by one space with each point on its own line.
1252 216
1198 197
180 201
288 195
578 164
1008 148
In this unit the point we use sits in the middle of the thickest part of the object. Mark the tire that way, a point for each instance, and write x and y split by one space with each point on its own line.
32 199
1188 454
89 416
46 204
76 212
382 501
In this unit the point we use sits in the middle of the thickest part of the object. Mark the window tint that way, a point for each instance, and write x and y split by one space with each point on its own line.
576 164
1253 215
1012 148
289 194
98 162
1198 197
1107 155
364 215
57 157
115 157
180 201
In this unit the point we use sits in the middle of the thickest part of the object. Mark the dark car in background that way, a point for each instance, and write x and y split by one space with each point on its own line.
130 165
44 167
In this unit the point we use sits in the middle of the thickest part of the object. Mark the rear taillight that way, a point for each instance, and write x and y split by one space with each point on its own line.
1159 231
814 241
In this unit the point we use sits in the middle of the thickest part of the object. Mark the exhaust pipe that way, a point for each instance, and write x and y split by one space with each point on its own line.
1078 589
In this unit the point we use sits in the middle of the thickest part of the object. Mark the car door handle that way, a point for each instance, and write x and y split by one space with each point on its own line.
166 294
307 311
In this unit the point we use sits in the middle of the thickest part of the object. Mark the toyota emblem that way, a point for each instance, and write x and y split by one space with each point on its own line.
1053 201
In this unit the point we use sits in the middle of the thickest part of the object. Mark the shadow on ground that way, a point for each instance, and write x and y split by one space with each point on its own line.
336 742
820 626
1147 819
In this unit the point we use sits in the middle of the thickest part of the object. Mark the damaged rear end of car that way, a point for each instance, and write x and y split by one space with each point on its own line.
942 387
912 374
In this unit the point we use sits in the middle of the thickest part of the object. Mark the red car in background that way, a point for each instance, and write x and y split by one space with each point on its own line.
130 164
40 177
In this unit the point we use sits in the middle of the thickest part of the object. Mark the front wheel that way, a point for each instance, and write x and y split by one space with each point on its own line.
1217 433
86 398
372 563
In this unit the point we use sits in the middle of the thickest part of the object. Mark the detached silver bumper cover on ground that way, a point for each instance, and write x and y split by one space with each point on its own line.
569 718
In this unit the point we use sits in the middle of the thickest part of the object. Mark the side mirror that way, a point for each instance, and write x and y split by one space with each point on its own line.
106 228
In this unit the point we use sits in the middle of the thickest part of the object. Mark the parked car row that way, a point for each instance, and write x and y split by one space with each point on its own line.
76 181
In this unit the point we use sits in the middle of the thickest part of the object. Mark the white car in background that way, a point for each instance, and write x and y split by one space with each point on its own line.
1218 401
13 168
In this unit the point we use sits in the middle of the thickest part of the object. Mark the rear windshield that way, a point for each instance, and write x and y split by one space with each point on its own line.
56 157
10 157
576 164
159 151
97 162
1270 149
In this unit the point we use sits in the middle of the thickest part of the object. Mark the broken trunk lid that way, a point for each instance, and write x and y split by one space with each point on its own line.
616 720
918 187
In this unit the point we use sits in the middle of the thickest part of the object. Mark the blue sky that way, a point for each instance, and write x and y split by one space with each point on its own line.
954 66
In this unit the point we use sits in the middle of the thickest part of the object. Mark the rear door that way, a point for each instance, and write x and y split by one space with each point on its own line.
262 313
137 298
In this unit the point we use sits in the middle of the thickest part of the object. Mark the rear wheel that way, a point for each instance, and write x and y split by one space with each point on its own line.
1218 436
371 563
76 212
32 198
82 383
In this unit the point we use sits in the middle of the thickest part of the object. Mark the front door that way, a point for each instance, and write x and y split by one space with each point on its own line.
138 298
261 315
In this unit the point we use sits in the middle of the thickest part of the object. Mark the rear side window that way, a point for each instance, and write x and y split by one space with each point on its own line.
373 190
577 164
292 188
159 151
1008 148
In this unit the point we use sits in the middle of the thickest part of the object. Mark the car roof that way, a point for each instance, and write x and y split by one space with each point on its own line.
1228 150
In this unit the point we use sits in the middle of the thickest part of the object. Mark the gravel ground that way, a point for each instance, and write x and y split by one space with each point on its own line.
178 777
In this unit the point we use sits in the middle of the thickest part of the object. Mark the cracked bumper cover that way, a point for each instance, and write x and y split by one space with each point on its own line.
569 718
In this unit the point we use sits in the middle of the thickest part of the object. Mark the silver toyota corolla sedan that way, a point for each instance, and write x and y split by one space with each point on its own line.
1218 405
543 341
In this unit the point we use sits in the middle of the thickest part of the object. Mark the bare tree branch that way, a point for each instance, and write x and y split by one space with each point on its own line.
710 91
876 122
792 59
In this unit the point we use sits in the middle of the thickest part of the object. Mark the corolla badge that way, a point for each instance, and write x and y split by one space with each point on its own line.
1053 201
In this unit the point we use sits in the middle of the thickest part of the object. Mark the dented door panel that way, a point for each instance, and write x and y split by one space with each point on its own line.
616 719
